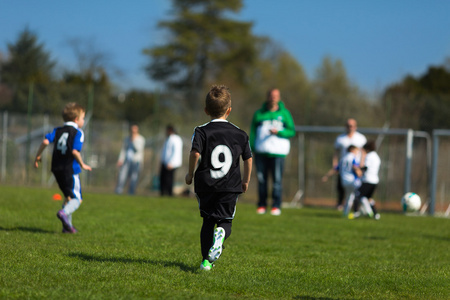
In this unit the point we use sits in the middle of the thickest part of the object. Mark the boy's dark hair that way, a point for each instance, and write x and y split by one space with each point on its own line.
351 148
370 146
71 111
218 100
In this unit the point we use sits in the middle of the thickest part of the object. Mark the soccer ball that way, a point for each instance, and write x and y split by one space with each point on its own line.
411 202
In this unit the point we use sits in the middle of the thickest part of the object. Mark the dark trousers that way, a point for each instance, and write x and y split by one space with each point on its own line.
340 191
166 181
273 166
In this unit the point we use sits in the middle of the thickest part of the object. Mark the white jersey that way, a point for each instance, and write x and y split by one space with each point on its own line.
343 141
372 162
346 172
172 151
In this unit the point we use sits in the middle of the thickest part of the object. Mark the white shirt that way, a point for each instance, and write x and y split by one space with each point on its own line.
372 162
133 150
346 172
172 151
343 141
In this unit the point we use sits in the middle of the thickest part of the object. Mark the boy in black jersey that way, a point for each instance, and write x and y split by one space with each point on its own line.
217 180
66 161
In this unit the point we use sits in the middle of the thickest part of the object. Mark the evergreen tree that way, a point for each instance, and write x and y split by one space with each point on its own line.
203 45
28 68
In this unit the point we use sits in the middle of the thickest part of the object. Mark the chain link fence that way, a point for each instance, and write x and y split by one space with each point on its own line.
310 158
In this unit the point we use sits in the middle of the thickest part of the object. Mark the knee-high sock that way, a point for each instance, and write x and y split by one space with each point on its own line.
207 236
366 204
372 205
70 208
226 225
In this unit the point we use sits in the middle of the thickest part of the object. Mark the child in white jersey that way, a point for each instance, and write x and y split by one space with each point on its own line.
370 181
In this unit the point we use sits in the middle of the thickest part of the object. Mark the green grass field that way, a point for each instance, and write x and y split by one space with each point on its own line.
142 247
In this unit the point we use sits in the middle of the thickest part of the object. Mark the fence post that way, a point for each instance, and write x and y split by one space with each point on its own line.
409 151
4 145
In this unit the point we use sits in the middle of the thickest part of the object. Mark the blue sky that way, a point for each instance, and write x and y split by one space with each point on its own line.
379 41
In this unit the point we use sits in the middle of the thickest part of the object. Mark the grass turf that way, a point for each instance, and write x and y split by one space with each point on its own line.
145 247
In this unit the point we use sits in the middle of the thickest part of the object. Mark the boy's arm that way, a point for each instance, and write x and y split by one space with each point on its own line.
331 172
358 171
247 174
194 155
44 144
78 158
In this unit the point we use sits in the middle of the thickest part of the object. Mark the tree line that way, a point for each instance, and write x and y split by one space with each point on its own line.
205 45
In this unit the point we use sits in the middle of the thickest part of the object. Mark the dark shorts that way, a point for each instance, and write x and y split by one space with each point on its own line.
367 190
220 206
69 184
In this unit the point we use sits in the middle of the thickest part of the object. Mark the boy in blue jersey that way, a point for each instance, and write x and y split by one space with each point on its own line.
218 182
67 161
349 175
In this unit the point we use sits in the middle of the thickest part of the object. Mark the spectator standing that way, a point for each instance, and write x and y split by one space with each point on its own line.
171 159
130 160
272 126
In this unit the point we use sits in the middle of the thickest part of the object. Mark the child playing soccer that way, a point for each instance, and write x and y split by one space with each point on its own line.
370 182
218 183
350 174
66 161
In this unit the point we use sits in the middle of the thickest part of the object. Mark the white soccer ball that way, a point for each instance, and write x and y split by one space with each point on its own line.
411 202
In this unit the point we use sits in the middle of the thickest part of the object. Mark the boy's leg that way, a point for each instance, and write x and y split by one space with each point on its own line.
207 235
374 209
349 196
277 167
226 225
122 178
261 172
365 203
134 176
340 192
71 188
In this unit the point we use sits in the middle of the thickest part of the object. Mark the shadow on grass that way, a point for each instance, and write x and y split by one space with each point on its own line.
376 238
330 215
311 298
166 264
437 237
26 229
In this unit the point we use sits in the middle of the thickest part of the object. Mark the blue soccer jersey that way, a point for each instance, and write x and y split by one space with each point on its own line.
66 138
220 144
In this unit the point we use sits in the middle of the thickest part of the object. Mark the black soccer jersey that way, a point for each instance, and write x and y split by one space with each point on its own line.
221 144
66 139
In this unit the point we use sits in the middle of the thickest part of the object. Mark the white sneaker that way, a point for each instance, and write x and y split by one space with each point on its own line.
275 211
377 217
216 250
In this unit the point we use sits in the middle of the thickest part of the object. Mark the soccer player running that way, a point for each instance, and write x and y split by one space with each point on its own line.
217 179
67 161
370 180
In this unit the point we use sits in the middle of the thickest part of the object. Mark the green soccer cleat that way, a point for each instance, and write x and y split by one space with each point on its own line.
216 250
206 265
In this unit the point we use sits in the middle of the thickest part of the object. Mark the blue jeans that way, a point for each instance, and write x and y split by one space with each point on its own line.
128 171
274 166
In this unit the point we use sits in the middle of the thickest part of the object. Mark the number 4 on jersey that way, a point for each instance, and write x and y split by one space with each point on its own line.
62 143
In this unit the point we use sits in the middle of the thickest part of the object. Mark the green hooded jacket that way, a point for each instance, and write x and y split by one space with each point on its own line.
261 141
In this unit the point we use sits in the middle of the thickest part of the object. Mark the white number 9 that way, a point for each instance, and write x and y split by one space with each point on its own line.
224 166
